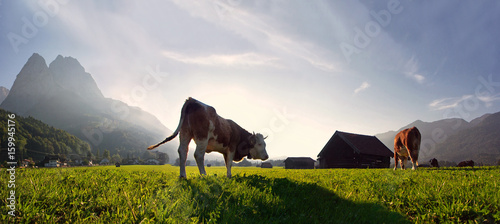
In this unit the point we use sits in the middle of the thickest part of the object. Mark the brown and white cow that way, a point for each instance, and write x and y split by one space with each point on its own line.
213 133
407 144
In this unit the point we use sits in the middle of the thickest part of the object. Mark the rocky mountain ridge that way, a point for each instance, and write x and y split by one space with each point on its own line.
65 96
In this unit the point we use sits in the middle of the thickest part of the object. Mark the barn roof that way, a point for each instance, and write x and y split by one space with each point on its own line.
363 144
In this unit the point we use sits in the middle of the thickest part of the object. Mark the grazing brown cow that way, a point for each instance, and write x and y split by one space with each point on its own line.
213 133
434 163
407 144
466 163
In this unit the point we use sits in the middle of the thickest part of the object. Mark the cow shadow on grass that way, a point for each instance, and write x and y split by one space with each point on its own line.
258 199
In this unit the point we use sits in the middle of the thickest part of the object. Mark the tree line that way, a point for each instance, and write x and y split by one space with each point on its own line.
35 139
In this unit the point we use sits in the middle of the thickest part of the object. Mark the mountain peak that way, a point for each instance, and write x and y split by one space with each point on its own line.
36 56
70 75
67 63
33 66
33 83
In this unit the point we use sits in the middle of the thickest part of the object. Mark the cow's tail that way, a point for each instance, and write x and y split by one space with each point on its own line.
176 132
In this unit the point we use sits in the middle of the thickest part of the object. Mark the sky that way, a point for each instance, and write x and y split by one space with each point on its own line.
295 71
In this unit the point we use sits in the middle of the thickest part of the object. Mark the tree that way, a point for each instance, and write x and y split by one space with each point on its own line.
162 158
97 154
116 158
89 155
105 154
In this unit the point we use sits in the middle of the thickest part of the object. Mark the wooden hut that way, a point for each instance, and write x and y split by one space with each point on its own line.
299 163
347 150
266 165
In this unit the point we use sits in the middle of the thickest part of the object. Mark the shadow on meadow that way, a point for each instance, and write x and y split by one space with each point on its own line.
258 199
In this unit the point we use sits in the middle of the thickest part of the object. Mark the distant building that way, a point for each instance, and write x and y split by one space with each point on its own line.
299 163
152 162
347 150
104 162
266 165
27 162
51 161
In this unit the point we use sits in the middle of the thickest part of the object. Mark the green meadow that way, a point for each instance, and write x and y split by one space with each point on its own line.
155 194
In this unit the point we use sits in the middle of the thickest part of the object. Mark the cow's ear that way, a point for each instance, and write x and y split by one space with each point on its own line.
252 139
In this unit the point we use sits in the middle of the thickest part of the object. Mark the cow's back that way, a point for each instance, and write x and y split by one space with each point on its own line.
198 117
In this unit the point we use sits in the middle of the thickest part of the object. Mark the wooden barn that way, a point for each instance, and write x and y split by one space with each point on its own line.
347 150
266 165
299 163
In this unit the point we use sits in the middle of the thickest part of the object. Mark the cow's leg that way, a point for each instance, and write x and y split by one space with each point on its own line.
413 162
183 151
228 158
395 160
413 159
402 160
199 155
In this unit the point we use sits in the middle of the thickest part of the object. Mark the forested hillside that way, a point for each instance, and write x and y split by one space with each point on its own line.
36 139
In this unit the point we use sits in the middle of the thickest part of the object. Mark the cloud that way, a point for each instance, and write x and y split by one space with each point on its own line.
448 103
454 102
488 100
363 87
412 70
261 30
244 59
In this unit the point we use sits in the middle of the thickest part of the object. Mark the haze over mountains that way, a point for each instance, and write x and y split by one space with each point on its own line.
456 139
3 93
65 96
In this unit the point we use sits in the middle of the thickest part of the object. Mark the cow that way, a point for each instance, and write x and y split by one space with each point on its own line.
434 162
211 132
466 163
407 144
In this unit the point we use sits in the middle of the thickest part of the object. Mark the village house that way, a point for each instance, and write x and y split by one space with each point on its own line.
347 150
51 161
104 162
27 162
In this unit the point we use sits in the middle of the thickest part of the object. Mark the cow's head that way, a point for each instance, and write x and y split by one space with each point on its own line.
254 147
